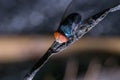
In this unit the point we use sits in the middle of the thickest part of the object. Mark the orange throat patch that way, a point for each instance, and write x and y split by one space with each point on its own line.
60 37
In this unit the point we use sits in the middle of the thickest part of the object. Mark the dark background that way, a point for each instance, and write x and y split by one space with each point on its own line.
42 17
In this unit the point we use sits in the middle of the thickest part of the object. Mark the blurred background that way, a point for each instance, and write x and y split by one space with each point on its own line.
26 32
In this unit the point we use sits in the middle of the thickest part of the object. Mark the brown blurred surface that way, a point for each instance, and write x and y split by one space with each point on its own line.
19 48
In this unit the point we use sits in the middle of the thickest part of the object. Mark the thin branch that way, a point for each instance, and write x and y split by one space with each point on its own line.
86 26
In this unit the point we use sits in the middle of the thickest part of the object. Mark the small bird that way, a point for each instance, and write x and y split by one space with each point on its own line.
67 27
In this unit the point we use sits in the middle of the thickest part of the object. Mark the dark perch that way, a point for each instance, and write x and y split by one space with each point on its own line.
57 47
38 65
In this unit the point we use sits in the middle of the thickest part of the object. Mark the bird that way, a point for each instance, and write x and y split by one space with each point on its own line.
67 27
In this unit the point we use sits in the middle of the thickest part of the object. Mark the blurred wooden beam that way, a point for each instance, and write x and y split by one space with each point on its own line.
17 48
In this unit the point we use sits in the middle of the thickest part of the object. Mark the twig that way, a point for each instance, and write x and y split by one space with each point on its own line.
86 26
